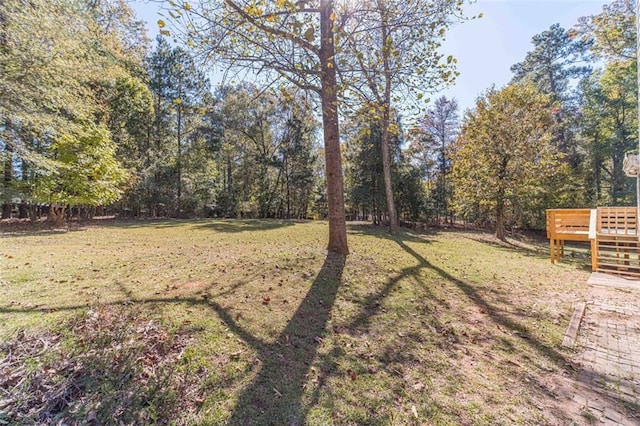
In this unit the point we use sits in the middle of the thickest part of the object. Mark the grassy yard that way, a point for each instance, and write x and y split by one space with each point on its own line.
249 322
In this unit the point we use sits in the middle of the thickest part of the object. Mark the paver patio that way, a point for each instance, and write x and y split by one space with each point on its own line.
608 353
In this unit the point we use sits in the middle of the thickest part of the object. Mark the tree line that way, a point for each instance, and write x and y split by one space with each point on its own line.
558 134
93 114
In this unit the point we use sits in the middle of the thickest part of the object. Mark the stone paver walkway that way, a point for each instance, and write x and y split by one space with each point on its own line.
608 357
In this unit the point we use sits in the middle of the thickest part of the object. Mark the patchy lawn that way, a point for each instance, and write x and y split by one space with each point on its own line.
249 322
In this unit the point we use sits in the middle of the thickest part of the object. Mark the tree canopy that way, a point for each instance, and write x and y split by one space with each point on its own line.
504 158
93 114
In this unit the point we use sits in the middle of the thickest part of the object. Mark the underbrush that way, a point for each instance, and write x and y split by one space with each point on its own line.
105 366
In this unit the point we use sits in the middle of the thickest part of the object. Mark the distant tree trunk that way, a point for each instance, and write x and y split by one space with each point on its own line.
500 232
502 173
33 213
179 156
287 188
386 135
386 172
374 216
7 178
329 96
23 211
57 214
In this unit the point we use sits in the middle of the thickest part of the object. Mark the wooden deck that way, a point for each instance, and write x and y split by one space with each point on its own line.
617 246
568 225
611 231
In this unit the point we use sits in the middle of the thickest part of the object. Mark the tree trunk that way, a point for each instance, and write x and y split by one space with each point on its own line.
60 216
23 211
287 188
7 180
502 174
386 134
179 156
33 213
386 172
500 233
56 214
335 191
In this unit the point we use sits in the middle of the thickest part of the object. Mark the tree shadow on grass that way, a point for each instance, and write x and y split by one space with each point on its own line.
408 234
49 228
143 223
242 225
496 314
275 395
37 231
540 250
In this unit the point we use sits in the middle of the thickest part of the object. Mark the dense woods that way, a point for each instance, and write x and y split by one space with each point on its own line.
95 116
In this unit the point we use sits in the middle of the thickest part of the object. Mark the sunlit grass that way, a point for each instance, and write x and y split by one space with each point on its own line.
439 328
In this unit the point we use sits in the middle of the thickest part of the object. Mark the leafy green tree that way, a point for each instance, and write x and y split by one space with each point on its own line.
401 61
123 36
612 33
610 131
609 128
296 158
179 89
58 71
365 172
292 40
365 186
82 170
557 57
187 86
503 157
409 190
266 155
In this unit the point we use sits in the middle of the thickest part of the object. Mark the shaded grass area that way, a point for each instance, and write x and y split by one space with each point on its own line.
442 328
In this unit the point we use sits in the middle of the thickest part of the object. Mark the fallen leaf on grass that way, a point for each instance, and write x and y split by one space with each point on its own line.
266 300
236 355
351 374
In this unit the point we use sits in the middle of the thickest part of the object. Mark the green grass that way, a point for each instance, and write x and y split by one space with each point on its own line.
442 328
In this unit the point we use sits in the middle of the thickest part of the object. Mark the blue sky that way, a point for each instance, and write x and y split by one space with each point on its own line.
487 47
